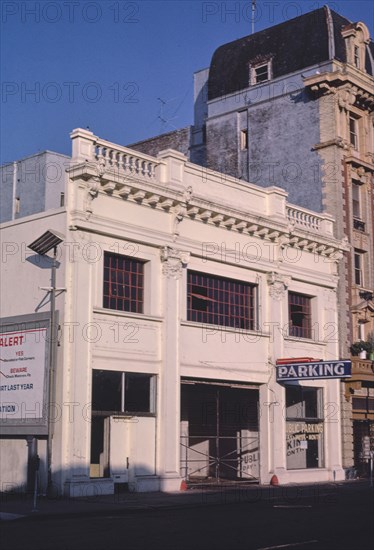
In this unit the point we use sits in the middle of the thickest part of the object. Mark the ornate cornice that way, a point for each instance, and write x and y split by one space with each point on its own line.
348 86
300 229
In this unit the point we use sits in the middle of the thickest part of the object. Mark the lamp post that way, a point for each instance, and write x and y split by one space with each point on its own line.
44 244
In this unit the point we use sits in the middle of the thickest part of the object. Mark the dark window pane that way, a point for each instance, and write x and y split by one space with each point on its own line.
97 438
137 392
303 402
106 390
262 73
299 315
310 396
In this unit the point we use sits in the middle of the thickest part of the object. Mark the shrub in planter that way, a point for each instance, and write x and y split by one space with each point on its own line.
359 346
370 343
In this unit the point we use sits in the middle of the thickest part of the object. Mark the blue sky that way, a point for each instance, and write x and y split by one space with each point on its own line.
122 68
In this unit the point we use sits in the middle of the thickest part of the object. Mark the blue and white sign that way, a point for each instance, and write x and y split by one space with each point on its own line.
312 371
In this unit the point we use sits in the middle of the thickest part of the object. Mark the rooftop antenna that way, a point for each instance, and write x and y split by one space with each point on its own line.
253 15
162 116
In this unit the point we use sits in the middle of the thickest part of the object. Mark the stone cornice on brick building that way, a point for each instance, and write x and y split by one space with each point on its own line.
354 87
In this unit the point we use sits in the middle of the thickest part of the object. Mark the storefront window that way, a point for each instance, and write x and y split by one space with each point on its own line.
116 394
304 427
121 392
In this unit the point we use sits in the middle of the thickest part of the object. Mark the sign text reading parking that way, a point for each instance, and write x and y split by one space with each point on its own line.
322 369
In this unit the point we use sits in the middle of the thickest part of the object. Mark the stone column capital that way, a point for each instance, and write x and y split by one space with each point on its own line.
173 261
278 285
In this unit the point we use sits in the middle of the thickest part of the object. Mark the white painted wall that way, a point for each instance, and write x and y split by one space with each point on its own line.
162 341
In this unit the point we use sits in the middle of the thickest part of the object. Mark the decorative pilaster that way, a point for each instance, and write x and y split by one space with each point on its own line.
173 262
274 395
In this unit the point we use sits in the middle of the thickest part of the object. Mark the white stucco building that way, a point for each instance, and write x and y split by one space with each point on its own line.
178 289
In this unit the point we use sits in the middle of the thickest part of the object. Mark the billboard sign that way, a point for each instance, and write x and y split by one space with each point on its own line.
23 377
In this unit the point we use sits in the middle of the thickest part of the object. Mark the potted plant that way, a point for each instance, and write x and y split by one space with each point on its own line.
360 348
370 345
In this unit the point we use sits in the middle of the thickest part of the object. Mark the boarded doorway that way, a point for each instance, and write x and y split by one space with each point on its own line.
219 432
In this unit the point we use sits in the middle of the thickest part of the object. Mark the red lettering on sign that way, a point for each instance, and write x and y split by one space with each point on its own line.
8 341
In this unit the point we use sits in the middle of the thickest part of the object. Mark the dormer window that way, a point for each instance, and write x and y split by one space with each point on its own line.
260 72
356 59
356 36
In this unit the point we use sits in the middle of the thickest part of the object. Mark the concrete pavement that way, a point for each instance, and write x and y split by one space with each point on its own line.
16 506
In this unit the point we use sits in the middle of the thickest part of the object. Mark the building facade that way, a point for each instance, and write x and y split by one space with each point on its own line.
292 106
181 301
33 184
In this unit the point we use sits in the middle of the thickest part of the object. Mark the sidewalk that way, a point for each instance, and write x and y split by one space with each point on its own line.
17 506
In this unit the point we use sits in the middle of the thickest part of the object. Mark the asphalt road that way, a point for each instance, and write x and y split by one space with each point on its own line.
333 520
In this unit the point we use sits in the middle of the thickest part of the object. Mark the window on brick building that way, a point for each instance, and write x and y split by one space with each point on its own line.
358 224
356 206
123 283
219 301
353 131
300 315
358 264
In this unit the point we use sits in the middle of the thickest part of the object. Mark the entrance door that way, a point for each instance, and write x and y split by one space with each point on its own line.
117 447
363 441
110 448
219 432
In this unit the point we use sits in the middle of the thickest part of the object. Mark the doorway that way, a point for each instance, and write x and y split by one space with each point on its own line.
219 432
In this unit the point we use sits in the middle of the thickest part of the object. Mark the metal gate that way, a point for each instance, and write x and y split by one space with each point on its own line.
219 434
220 458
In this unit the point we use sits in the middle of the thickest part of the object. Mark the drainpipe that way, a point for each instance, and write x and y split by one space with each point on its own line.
14 190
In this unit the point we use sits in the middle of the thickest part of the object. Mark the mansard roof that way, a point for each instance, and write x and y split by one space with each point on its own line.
307 40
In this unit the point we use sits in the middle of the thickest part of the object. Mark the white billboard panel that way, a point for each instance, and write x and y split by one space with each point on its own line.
23 377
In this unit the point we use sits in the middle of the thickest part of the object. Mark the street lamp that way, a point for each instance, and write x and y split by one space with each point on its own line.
44 244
